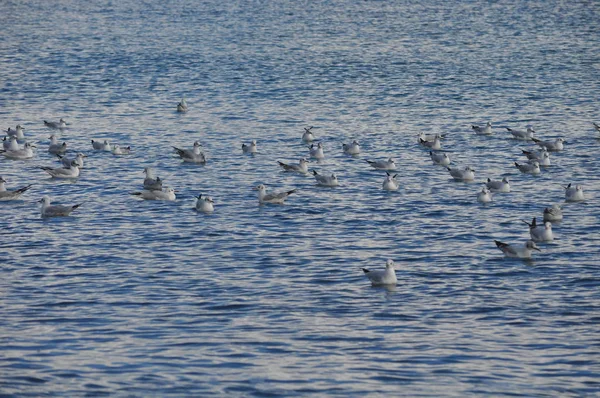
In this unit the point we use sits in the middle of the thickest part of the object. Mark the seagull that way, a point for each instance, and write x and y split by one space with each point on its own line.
182 106
67 162
11 195
529 168
390 183
535 154
351 149
440 158
553 213
436 144
250 148
168 194
56 148
498 186
383 164
275 198
552 146
63 172
301 167
522 135
429 137
193 155
117 150
574 194
61 124
487 130
18 132
308 136
20 154
540 233
484 196
517 252
468 174
317 152
56 210
10 143
205 204
326 181
151 183
383 277
101 146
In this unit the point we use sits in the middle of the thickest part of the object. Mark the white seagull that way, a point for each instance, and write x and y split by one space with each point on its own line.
49 210
436 144
574 193
205 204
382 277
67 162
55 148
317 151
193 155
485 196
517 251
20 154
61 124
552 146
63 172
486 130
10 143
498 186
301 167
390 183
522 135
326 181
118 150
11 195
275 198
540 233
529 168
18 132
383 164
182 106
352 148
535 154
429 137
101 146
168 194
553 213
439 158
150 182
466 174
308 136
250 148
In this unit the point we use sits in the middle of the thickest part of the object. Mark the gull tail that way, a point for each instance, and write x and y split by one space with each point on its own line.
366 271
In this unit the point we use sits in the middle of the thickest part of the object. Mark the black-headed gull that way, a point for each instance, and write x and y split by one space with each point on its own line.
19 154
18 132
390 183
498 186
466 174
301 167
352 148
61 124
152 183
317 151
435 145
517 251
168 194
49 210
308 136
552 146
540 233
55 148
439 158
382 277
529 168
67 162
10 143
522 135
485 196
388 164
250 148
553 213
485 130
11 195
574 193
274 198
193 155
326 181
101 146
119 150
72 171
205 204
182 106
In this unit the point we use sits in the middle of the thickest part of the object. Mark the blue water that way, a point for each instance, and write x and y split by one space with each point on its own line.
139 298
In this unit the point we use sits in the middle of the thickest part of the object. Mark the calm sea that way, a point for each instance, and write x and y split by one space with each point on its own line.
140 298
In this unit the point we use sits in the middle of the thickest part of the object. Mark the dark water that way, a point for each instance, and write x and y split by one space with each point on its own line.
135 298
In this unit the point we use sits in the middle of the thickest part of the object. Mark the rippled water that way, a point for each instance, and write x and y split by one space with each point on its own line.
128 297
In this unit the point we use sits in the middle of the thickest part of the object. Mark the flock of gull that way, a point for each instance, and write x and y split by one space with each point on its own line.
16 147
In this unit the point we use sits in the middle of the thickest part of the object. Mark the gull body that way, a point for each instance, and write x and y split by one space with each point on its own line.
351 149
205 204
390 183
193 155
150 182
49 210
63 172
308 136
101 146
485 130
167 195
535 154
552 146
317 151
326 181
182 106
498 186
11 195
540 233
522 135
466 174
485 196
439 158
435 145
429 137
553 213
67 162
301 167
10 143
250 148
19 154
61 124
118 150
388 164
574 193
514 251
18 132
529 168
382 277
55 148
274 198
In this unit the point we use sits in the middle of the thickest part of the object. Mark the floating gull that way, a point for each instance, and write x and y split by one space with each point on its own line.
301 167
529 168
522 135
205 204
436 144
20 154
168 194
429 137
326 181
383 164
101 146
182 106
535 154
250 148
351 149
151 183
440 158
485 196
67 162
515 251
63 172
56 148
383 277
118 150
18 132
308 136
49 210
10 143
552 146
61 124
553 213
317 151
486 130
540 233
193 155
390 183
498 186
467 174
275 198
11 195
574 194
